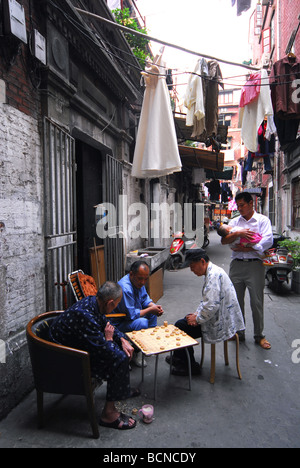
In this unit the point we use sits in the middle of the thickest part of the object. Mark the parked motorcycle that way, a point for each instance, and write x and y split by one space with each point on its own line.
279 264
179 247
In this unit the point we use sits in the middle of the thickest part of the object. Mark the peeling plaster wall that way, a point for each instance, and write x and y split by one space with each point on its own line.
21 247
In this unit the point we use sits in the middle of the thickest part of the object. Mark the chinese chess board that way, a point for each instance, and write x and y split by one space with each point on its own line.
161 339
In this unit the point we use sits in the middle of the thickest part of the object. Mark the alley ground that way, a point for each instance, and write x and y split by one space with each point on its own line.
262 410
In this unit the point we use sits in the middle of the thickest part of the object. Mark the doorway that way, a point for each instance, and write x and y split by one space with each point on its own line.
89 193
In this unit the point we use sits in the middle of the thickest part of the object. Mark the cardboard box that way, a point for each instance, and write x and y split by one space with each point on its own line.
155 285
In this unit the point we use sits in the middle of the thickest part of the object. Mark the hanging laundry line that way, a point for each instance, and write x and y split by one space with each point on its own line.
160 41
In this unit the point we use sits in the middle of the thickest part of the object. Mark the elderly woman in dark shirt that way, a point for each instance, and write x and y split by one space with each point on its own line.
84 326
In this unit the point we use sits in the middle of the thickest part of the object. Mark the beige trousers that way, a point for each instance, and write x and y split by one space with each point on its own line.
251 276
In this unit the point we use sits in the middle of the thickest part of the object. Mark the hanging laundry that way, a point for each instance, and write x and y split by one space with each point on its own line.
252 115
194 99
285 98
207 126
265 150
251 89
156 153
214 189
212 98
242 5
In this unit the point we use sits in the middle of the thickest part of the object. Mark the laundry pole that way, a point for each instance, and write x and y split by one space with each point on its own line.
160 41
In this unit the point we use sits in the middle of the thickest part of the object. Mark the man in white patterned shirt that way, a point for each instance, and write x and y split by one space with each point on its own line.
246 269
218 317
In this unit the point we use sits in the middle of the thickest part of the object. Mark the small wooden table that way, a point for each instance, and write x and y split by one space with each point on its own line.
160 340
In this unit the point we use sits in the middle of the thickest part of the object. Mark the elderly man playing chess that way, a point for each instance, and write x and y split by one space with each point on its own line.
218 317
85 326
141 312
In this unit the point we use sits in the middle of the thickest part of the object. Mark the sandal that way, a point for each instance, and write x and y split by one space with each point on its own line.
123 418
134 392
263 343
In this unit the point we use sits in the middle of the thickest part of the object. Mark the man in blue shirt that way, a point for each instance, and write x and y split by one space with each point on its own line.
140 310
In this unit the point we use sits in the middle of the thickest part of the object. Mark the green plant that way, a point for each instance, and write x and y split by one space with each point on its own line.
293 246
138 44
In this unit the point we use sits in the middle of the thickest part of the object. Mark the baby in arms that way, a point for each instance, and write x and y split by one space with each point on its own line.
224 230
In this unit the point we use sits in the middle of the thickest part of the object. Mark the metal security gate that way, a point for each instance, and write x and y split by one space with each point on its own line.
113 243
60 212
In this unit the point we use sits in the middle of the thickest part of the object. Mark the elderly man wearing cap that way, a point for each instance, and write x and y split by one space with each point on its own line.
218 317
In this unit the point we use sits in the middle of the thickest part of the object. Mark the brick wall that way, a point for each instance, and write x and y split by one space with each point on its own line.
290 10
22 261
20 69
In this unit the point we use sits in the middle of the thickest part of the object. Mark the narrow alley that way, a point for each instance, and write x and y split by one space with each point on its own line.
260 411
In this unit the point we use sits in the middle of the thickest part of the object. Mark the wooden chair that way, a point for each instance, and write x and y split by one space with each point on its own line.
213 357
59 369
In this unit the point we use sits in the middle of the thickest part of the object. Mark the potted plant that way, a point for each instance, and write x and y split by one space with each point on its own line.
138 44
293 247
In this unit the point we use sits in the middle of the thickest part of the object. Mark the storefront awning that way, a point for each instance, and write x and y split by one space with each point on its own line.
199 158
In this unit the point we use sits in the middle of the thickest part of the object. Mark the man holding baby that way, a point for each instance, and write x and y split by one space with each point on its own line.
247 269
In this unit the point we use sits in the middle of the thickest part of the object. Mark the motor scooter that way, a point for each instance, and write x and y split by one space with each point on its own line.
179 247
279 264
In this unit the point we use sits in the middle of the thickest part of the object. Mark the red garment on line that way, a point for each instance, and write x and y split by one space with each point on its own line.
251 90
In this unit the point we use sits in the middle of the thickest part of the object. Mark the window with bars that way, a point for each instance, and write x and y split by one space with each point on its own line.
266 41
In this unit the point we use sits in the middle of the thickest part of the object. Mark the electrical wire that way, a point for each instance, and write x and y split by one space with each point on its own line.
130 31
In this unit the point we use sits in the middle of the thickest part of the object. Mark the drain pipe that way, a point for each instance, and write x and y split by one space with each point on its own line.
277 171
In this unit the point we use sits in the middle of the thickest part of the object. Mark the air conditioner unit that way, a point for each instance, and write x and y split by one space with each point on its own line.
39 47
14 20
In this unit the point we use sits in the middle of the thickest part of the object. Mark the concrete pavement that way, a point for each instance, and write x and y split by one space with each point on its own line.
262 410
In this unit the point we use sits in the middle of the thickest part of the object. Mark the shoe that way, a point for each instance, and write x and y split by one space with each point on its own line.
263 343
121 423
137 360
241 335
183 371
175 361
134 392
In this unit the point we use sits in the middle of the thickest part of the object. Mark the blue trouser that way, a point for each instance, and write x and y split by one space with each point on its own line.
115 370
249 162
118 382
